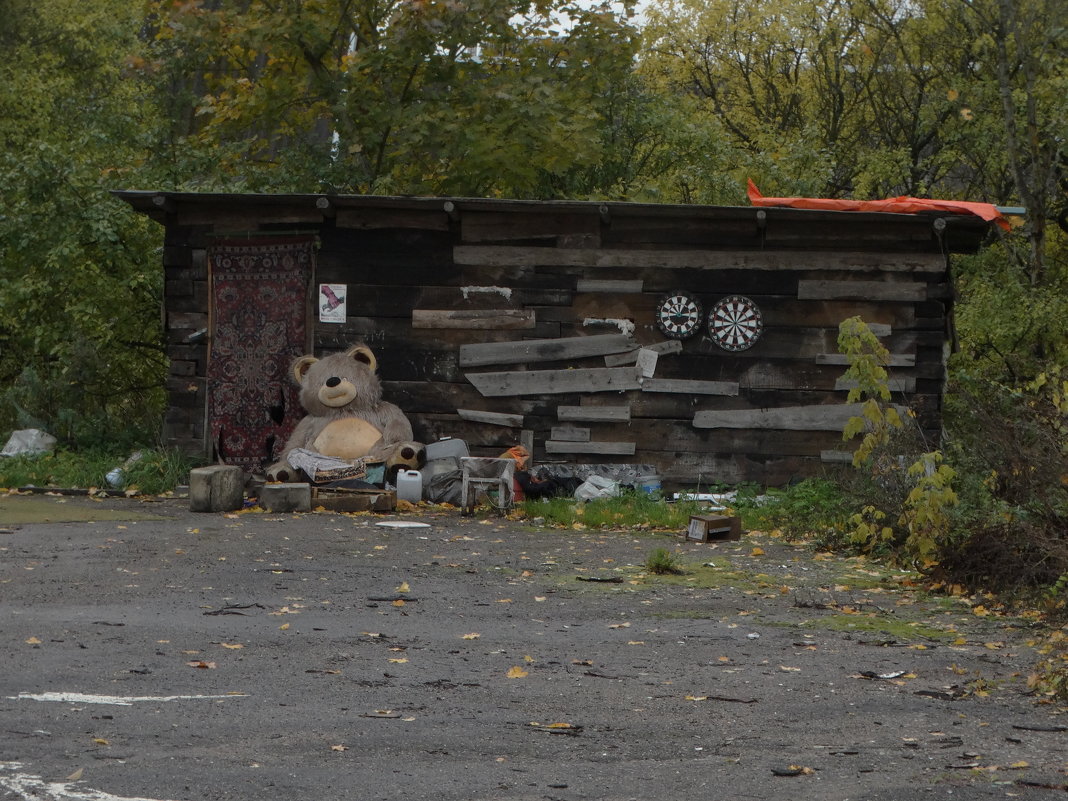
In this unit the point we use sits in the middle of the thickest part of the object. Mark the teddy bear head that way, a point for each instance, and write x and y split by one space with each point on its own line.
340 383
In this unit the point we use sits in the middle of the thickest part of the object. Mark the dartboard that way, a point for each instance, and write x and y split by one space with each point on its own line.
679 315
734 323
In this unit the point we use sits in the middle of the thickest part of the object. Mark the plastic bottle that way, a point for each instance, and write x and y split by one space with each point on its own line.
410 486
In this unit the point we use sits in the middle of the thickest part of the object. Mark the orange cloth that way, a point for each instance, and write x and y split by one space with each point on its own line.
897 205
520 454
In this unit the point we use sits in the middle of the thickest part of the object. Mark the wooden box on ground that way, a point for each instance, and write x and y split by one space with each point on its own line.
346 500
714 528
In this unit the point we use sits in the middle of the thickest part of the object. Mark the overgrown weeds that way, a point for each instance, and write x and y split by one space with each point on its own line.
154 471
631 510
661 561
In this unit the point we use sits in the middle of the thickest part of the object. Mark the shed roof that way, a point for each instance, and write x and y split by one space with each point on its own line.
957 233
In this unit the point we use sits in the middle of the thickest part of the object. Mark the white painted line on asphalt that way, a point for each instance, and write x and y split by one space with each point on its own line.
115 700
34 788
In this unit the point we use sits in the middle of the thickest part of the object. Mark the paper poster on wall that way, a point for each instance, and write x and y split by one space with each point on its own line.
332 303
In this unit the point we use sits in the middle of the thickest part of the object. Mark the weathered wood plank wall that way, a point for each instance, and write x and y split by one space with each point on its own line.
505 317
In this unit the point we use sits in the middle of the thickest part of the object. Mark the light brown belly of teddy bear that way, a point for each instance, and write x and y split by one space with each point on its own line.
349 438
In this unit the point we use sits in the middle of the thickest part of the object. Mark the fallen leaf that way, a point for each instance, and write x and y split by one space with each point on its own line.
517 672
581 661
757 552
283 627
403 587
100 741
636 642
559 726
696 697
472 636
539 598
233 646
339 748
619 626
1020 765
400 661
77 775
33 641
786 669
201 664
398 602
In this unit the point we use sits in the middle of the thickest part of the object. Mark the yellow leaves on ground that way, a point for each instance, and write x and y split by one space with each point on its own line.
233 646
619 626
399 661
33 641
100 741
403 587
284 627
472 636
339 748
758 551
201 664
516 672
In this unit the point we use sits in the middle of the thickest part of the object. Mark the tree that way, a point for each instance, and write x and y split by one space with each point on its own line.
79 286
474 97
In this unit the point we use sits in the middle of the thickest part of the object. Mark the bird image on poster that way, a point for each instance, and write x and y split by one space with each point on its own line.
332 303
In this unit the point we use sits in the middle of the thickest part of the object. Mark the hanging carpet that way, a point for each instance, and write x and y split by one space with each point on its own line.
259 326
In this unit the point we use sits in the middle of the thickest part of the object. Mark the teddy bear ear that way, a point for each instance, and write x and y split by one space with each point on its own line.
301 367
362 353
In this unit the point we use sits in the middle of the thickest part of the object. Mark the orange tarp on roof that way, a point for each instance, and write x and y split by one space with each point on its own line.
896 205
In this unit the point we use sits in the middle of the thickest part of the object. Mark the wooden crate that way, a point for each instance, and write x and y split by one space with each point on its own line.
714 528
343 500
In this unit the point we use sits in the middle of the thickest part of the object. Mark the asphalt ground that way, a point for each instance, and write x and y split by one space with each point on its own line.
323 656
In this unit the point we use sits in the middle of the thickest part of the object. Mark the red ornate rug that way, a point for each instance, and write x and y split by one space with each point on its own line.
258 327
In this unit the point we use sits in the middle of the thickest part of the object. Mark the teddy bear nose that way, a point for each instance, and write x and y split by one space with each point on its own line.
333 381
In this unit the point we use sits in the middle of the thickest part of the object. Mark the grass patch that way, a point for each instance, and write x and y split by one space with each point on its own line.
661 562
892 627
158 470
631 510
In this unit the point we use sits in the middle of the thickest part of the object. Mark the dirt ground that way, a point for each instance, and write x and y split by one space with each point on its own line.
251 656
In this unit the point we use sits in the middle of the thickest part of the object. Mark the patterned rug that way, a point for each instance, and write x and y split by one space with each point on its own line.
259 326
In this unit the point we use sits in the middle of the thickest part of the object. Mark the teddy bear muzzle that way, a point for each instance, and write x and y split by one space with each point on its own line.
336 392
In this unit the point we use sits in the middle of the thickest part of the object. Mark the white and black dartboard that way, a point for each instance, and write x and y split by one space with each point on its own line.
679 314
734 323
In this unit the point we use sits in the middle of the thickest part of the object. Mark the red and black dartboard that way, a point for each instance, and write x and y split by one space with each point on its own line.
734 323
678 314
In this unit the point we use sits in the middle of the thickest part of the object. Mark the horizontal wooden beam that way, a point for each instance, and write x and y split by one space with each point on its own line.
687 386
861 290
894 383
569 434
895 359
630 357
609 285
492 418
593 414
548 382
790 418
606 448
519 256
473 318
542 350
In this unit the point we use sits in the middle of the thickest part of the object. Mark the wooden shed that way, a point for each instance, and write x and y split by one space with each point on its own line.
699 340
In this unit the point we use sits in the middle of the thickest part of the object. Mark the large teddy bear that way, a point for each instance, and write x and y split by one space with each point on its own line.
346 416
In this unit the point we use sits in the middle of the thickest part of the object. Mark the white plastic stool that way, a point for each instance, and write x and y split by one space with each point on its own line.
481 474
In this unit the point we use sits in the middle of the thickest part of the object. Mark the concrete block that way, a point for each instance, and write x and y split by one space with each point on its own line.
286 497
218 488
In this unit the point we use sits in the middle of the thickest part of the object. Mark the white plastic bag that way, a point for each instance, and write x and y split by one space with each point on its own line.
597 487
28 441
